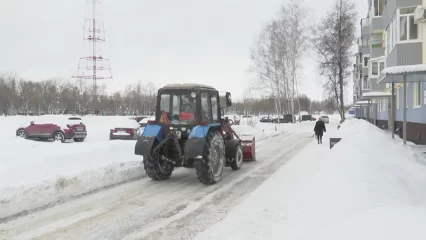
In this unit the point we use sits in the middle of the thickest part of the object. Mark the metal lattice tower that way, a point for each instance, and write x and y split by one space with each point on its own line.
94 67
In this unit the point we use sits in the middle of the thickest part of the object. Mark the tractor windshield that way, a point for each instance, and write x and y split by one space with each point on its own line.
177 108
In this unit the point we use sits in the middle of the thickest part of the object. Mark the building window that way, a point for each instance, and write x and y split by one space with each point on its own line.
417 94
365 83
378 8
388 40
376 67
408 30
397 98
406 94
366 58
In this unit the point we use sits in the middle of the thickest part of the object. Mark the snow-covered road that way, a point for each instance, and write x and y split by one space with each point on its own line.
178 208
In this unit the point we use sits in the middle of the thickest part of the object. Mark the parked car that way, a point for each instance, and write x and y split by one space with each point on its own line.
265 119
138 118
325 119
80 130
289 118
73 128
307 118
127 129
286 118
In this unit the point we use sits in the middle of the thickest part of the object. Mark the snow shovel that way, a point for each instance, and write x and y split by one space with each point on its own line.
249 146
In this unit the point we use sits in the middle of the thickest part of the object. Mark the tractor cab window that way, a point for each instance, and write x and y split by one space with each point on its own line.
206 108
215 107
177 108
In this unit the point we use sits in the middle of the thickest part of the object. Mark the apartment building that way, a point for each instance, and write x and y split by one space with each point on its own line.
389 37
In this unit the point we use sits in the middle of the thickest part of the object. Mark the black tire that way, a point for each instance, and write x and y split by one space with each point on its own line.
78 139
209 170
238 159
156 168
21 133
59 136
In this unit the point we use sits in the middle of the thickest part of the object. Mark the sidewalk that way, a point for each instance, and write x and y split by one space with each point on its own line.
368 186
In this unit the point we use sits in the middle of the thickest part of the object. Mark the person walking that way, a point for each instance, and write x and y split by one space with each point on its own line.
319 130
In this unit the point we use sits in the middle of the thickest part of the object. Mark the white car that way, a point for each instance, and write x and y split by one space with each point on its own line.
144 122
325 119
127 129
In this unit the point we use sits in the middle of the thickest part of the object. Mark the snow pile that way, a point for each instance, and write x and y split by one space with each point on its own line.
367 187
36 173
261 131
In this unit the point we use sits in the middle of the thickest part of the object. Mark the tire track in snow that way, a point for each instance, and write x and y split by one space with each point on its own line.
218 207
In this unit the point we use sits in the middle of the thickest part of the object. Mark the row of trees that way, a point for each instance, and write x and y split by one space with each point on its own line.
283 42
19 96
266 106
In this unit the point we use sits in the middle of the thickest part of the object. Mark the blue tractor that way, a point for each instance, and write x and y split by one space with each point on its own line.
189 131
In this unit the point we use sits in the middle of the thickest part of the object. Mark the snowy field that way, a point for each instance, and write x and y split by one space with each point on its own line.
34 174
368 186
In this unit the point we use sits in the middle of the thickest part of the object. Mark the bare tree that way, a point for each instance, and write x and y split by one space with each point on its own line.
265 63
294 27
333 39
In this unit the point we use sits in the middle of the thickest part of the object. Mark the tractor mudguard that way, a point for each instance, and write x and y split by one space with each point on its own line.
151 133
194 146
144 145
153 130
231 148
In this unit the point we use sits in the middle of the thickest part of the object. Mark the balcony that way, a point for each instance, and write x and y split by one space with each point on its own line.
365 27
376 25
363 45
376 47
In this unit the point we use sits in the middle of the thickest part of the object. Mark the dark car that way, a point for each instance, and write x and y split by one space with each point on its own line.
307 118
286 118
57 132
265 119
128 129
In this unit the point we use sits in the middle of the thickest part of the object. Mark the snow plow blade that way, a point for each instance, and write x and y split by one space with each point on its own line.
249 147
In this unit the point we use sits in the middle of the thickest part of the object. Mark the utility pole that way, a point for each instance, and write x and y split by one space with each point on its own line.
90 67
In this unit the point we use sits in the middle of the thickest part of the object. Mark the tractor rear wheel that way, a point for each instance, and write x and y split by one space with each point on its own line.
209 169
157 168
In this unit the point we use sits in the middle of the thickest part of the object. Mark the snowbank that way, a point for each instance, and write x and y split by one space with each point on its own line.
367 187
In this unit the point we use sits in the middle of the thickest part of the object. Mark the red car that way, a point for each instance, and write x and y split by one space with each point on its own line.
73 129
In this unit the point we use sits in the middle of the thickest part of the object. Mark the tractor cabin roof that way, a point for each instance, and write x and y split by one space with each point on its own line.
182 86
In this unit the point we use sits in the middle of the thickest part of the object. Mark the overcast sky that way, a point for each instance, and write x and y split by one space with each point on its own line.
162 41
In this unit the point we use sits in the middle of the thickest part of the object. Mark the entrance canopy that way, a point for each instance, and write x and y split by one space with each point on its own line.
413 73
370 95
361 103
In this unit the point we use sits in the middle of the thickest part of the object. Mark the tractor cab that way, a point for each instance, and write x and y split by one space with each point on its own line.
181 107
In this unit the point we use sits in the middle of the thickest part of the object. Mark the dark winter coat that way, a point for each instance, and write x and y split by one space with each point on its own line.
319 128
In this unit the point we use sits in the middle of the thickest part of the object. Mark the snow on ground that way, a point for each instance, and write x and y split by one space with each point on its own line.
36 173
368 186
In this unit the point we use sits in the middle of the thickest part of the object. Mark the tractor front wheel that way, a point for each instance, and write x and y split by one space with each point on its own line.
209 168
239 158
157 168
